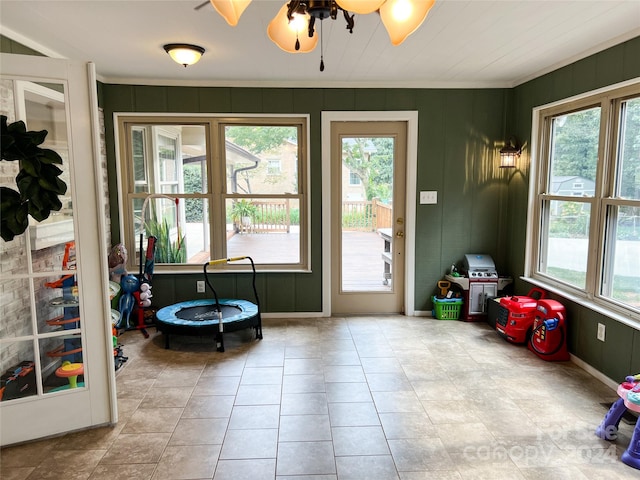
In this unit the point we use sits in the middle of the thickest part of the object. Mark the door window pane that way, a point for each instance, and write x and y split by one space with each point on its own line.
17 367
366 213
16 310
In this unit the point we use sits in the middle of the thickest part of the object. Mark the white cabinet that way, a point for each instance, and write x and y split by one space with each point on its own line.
478 295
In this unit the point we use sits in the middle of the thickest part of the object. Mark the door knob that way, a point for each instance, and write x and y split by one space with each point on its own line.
400 234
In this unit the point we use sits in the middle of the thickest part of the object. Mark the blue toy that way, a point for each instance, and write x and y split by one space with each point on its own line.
130 284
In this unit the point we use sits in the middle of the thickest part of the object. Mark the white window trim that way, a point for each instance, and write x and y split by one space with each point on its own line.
588 299
305 185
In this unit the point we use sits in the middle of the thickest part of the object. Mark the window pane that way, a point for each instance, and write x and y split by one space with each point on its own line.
567 241
267 230
164 219
625 252
574 153
16 312
250 156
629 150
197 230
138 149
18 359
167 158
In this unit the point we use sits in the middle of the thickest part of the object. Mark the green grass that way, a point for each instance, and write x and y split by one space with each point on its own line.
625 289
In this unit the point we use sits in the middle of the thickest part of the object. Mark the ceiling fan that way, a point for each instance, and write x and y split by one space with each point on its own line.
400 18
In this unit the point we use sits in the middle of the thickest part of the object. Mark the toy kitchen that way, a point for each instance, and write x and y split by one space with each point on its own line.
479 281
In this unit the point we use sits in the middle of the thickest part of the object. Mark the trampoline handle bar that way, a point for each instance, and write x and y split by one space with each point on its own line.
225 260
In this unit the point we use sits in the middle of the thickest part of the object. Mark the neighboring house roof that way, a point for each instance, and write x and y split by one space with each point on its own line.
566 183
231 147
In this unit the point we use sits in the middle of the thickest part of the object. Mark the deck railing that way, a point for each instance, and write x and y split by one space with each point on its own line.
365 216
272 216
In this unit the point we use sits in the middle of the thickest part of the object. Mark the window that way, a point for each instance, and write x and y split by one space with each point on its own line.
354 179
273 167
585 231
209 188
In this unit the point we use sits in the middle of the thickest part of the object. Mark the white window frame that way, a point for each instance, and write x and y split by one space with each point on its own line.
217 194
600 256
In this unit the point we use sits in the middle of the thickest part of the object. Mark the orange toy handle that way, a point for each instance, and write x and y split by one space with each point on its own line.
62 321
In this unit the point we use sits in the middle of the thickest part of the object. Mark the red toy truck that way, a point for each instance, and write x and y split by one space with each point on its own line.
516 315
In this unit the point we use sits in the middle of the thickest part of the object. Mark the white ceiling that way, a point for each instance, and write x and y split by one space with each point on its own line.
462 43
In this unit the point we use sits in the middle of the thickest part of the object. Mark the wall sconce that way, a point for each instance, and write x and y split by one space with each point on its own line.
509 154
184 53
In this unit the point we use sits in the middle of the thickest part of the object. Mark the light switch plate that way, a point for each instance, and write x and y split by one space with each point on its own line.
428 197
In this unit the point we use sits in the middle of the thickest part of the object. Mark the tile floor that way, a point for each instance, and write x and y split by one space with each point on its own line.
358 398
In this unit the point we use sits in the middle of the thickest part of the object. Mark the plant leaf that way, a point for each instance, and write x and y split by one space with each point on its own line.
49 156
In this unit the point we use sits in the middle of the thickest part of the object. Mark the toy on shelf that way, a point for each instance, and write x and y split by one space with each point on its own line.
71 371
18 381
629 393
117 263
71 349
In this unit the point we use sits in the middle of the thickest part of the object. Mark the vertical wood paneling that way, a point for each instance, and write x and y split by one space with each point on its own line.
214 100
183 100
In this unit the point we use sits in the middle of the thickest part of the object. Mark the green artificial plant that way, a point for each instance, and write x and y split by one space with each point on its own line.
38 184
166 250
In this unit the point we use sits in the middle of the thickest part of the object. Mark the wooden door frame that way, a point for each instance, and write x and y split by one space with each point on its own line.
411 117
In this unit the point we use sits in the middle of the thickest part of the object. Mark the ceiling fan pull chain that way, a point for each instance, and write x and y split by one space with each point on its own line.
321 48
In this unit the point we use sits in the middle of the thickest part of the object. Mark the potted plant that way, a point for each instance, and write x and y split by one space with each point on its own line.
242 212
38 182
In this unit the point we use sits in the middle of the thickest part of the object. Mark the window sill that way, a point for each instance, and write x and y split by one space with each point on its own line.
627 318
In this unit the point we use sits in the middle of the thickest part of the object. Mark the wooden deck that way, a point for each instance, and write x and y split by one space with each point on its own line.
362 267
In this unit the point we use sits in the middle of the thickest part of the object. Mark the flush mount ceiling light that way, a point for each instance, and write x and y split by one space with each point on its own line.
287 29
184 53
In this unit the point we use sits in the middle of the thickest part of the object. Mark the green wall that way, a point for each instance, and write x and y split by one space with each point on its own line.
460 134
620 354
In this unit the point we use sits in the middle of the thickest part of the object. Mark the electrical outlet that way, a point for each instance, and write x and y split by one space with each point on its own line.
200 286
601 332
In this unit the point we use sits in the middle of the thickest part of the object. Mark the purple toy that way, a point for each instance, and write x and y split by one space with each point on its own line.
629 393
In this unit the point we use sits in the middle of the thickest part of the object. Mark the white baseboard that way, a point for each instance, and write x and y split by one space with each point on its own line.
595 373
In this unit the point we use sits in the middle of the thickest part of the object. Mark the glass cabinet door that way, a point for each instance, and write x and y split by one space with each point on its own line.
56 372
41 333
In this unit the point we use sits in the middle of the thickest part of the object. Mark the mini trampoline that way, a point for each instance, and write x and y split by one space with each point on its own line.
211 316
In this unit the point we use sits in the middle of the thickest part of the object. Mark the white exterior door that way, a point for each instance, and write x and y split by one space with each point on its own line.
369 211
55 327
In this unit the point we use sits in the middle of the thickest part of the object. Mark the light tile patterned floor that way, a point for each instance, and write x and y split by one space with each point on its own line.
324 399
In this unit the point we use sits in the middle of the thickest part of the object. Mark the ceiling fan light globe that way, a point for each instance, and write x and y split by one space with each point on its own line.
287 35
361 7
403 17
230 10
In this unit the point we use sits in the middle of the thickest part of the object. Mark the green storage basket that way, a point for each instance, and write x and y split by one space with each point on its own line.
447 308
